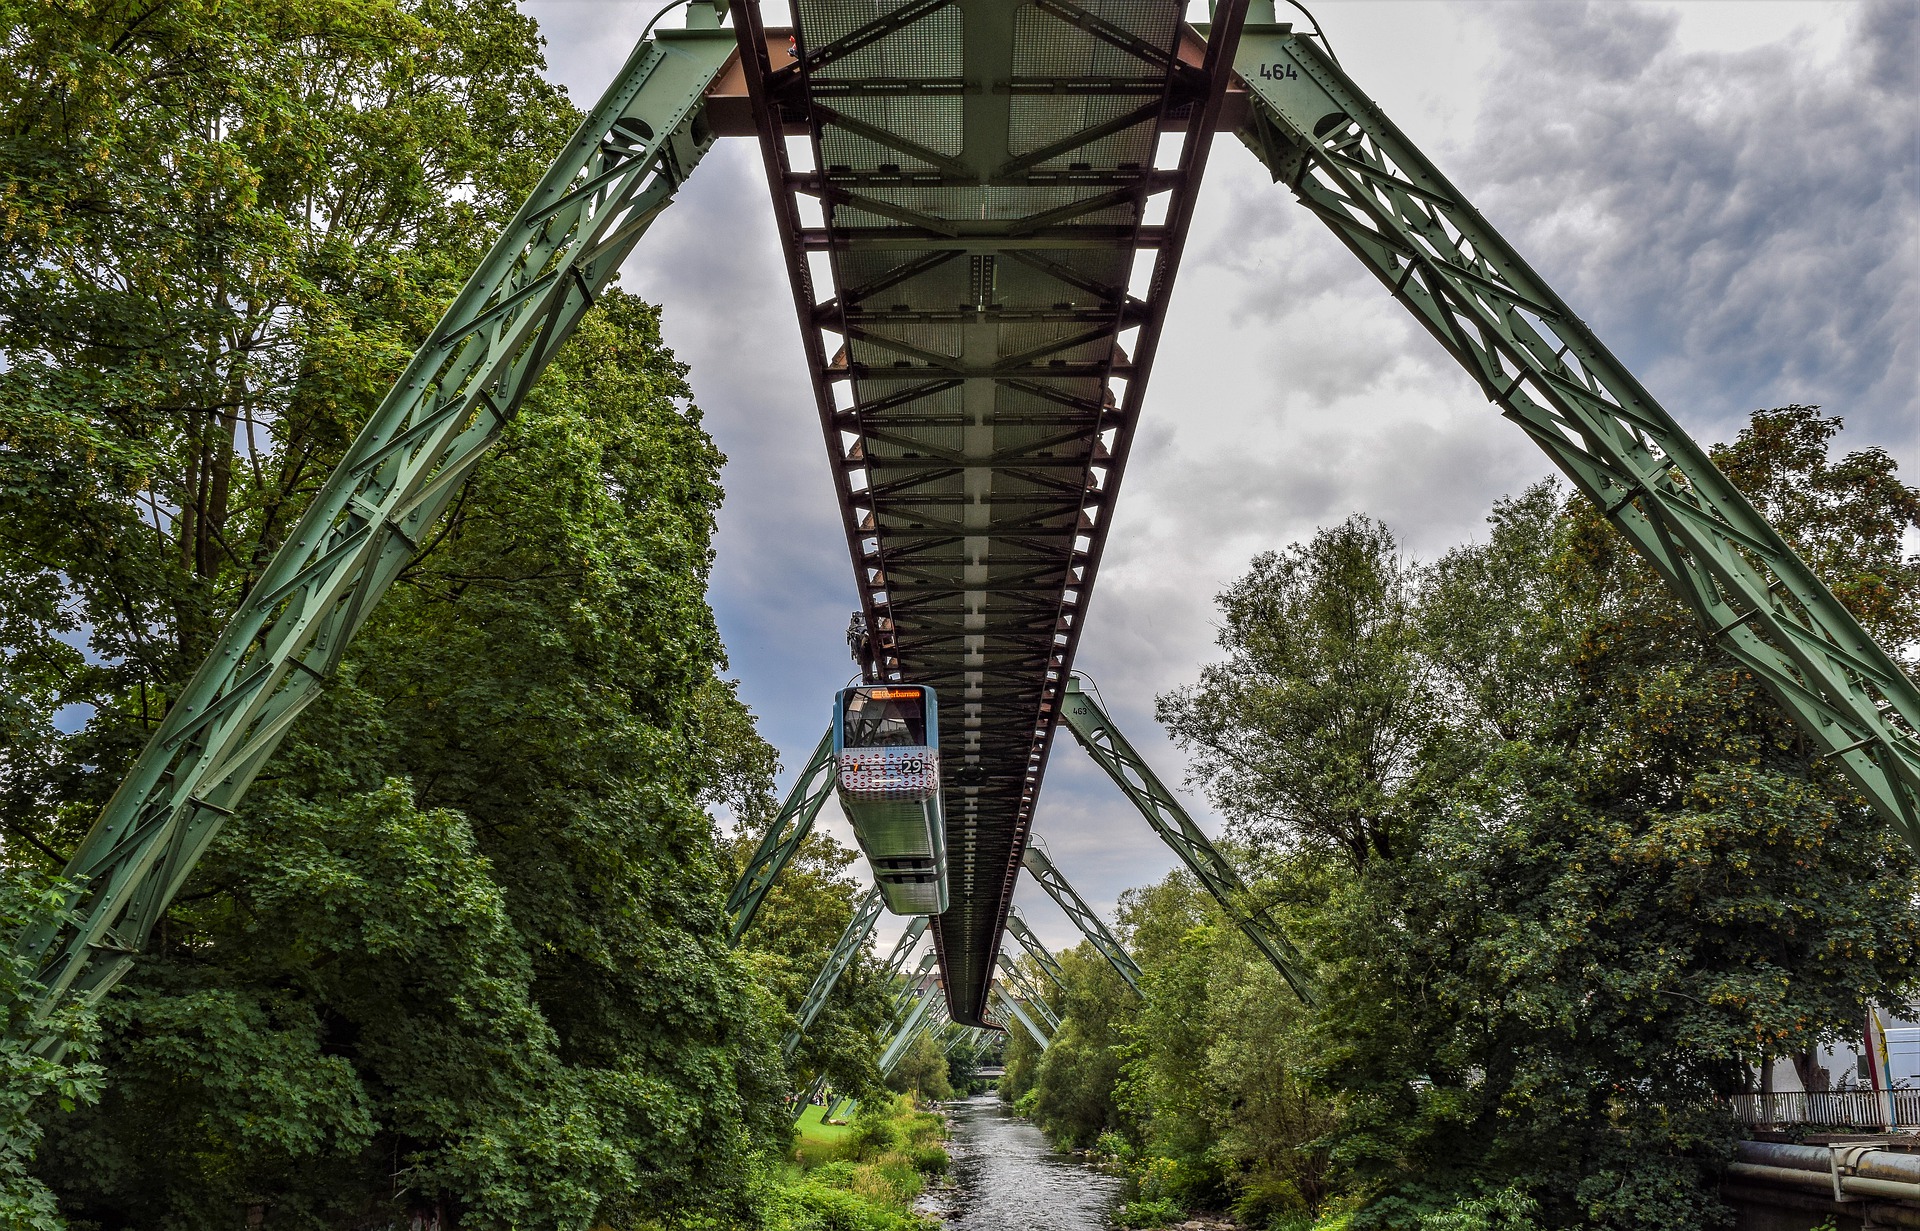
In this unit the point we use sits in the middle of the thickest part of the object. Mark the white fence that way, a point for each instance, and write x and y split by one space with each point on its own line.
1829 1108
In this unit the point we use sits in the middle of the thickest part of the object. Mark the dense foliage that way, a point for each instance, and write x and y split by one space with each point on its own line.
460 955
1564 869
862 1176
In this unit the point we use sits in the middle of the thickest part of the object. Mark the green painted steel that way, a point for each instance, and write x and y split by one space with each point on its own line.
903 948
922 1005
903 999
811 1097
1097 734
620 170
1013 1007
1545 370
1017 924
783 837
865 911
1013 977
1090 924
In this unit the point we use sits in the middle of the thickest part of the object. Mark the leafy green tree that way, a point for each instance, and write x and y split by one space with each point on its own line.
922 1069
27 1079
223 228
467 929
1308 735
1583 872
1074 1081
801 920
461 951
1632 876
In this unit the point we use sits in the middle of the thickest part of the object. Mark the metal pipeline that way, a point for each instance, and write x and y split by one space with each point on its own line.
1838 1170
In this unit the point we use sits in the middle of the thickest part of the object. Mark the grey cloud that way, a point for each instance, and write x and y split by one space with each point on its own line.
1739 227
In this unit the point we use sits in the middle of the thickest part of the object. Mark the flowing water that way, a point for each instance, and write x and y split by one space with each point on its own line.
1007 1178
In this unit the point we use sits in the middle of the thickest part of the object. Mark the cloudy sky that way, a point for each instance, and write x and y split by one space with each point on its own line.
1727 190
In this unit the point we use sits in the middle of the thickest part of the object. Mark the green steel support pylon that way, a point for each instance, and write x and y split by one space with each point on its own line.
620 170
1090 924
1017 925
789 829
1547 372
1016 979
1104 742
811 1097
1013 1007
903 948
866 909
897 1046
903 999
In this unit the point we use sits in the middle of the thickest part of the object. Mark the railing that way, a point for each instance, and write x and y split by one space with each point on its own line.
1828 1108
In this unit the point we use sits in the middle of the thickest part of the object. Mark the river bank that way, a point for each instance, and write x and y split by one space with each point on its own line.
862 1176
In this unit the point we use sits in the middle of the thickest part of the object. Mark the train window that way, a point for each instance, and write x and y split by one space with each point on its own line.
885 718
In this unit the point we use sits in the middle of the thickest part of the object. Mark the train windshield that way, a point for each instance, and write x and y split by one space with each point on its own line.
884 718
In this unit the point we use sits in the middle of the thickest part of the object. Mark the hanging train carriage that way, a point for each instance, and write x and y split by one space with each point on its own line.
886 748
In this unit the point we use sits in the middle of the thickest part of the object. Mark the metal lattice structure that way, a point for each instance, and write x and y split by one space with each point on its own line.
1548 373
1013 977
866 912
982 174
1012 1007
1168 817
789 829
1083 916
619 171
1048 964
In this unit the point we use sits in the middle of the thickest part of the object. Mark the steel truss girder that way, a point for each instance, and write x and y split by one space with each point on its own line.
1016 979
1090 924
1052 342
1012 1006
926 1002
618 172
1130 772
789 829
1544 368
1049 966
903 948
866 910
903 999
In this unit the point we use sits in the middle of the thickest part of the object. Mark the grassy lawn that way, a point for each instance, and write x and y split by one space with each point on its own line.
818 1142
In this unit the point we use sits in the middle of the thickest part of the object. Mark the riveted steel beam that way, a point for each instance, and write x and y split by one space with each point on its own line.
1168 818
1548 373
1049 966
789 829
1012 1006
980 250
618 172
866 910
1049 878
1015 978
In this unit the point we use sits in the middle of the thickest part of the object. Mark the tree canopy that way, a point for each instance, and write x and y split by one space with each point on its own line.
1565 873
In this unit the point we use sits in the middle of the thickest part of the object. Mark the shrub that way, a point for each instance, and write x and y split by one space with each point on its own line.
871 1135
1159 1212
1265 1200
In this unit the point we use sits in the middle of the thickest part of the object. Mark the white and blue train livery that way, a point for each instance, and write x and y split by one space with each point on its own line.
886 747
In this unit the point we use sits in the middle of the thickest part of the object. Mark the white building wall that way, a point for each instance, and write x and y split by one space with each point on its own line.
1842 1061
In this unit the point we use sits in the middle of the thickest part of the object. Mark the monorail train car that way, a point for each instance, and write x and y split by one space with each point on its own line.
886 747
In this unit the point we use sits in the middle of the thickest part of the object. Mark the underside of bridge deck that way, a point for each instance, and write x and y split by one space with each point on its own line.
977 180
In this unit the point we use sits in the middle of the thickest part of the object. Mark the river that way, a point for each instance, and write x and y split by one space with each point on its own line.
1008 1178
